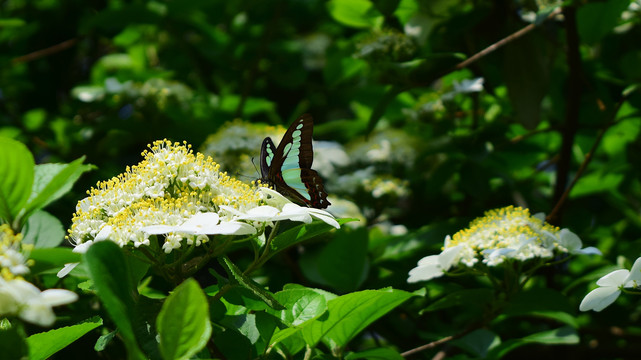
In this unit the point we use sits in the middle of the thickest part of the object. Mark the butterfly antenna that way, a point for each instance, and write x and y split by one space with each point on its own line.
255 167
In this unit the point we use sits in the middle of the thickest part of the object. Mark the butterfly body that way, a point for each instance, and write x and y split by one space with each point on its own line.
288 167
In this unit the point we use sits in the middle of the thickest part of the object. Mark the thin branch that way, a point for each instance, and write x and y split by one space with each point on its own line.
45 52
504 41
588 157
438 342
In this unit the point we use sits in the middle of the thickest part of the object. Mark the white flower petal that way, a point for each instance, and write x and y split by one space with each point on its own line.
590 250
616 278
428 261
38 313
260 213
82 248
56 297
202 219
226 228
635 274
159 229
66 269
273 197
104 233
324 216
599 298
447 257
426 272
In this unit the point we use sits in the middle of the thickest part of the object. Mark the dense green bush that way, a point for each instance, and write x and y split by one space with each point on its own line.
427 114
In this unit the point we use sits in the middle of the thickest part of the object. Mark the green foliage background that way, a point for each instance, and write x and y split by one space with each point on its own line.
105 78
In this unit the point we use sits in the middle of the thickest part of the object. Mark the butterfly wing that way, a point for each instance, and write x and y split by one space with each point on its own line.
288 167
266 156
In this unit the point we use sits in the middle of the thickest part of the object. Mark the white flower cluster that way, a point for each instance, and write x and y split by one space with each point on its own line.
183 196
505 234
168 187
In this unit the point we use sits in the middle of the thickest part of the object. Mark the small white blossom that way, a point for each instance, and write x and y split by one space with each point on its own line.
610 287
21 298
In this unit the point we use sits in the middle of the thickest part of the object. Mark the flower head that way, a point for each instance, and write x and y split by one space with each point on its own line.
169 188
610 287
509 233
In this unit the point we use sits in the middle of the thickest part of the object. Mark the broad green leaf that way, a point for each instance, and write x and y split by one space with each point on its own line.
349 314
52 259
16 167
561 336
45 344
108 270
355 13
43 230
375 354
52 181
343 264
256 327
241 279
300 305
183 322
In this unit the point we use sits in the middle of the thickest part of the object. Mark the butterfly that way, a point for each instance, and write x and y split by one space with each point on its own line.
288 167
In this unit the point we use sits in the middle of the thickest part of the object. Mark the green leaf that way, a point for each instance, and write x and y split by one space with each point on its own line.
257 328
16 167
298 234
349 314
241 279
104 340
13 344
527 74
375 354
183 322
343 264
561 336
478 342
355 13
108 270
43 230
52 181
52 258
43 345
542 303
300 304
597 19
